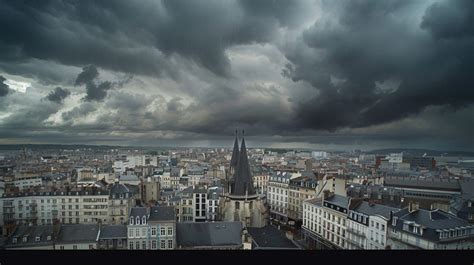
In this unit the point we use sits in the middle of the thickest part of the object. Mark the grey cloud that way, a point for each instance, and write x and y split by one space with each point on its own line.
136 36
4 89
58 94
88 77
364 42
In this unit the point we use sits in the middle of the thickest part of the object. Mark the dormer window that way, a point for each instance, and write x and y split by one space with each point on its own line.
469 204
25 239
38 238
394 221
138 220
143 220
415 229
48 238
131 220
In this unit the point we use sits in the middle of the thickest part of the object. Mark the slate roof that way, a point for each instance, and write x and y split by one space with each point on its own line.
375 209
209 234
270 237
338 200
118 188
78 233
162 213
113 231
31 232
431 220
138 211
242 182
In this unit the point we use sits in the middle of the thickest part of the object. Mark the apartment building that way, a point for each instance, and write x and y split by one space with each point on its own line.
324 221
120 202
77 206
277 195
300 189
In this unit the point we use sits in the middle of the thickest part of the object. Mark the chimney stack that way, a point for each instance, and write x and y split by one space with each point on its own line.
413 206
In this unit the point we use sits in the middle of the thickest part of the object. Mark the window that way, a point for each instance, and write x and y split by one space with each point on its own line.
153 232
130 232
131 220
394 221
162 231
237 205
137 245
376 225
74 247
137 232
383 227
61 247
137 220
170 244
144 244
91 246
130 245
143 220
162 244
144 232
170 231
153 244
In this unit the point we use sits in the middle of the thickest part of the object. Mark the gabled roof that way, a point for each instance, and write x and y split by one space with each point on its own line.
162 213
209 234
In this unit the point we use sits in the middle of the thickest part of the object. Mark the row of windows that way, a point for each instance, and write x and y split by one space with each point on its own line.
143 244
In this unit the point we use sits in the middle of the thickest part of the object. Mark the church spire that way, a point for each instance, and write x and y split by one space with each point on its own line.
235 153
242 182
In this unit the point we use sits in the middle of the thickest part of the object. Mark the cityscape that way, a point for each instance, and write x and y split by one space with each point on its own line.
302 125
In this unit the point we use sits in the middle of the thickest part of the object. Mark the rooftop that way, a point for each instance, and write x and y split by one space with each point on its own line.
209 234
270 237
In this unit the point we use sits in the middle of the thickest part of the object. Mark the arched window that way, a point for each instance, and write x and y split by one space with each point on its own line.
144 220
131 220
138 220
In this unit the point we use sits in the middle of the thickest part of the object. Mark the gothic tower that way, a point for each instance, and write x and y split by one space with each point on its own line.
241 202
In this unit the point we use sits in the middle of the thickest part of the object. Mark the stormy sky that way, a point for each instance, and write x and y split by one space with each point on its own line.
294 73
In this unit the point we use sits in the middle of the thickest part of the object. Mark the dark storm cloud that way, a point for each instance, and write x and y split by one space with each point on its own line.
58 94
88 77
135 36
365 43
3 87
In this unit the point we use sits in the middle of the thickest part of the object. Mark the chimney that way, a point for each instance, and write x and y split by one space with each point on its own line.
413 206
325 194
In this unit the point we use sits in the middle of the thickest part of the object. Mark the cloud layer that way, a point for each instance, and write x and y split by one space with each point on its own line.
294 70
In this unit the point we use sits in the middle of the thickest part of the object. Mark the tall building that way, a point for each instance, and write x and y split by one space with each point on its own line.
242 203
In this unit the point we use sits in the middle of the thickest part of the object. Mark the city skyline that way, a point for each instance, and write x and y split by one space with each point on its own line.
329 75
